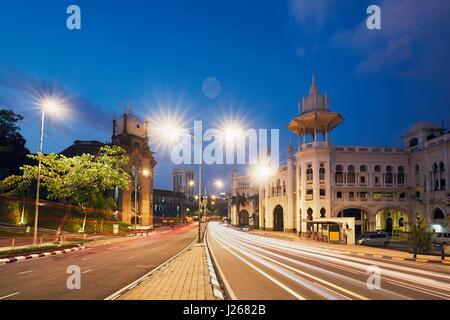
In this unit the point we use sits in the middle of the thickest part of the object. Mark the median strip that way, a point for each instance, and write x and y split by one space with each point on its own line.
40 255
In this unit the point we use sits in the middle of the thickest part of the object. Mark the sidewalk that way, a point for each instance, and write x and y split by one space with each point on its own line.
354 249
187 277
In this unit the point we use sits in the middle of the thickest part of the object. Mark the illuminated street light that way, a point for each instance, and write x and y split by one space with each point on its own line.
51 105
191 183
219 184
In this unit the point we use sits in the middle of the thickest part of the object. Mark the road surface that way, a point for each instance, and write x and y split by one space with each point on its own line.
260 268
104 269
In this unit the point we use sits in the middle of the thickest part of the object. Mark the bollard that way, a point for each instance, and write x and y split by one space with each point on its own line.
40 242
13 243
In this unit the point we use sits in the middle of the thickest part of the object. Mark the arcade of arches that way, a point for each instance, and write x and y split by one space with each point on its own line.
244 218
389 220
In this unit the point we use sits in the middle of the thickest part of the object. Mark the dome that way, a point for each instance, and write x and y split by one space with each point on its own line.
422 125
314 101
130 124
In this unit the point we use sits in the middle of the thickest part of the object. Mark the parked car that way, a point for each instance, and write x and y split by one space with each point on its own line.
245 228
375 239
441 238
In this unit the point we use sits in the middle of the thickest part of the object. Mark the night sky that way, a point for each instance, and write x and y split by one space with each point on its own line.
258 57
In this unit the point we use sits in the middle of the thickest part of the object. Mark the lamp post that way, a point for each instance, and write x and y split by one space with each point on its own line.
49 105
136 172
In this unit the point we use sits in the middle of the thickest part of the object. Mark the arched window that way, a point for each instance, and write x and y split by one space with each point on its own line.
339 175
309 173
310 214
413 142
389 175
417 174
321 172
441 166
401 175
363 168
438 214
339 195
278 186
284 187
323 213
435 167
377 168
351 177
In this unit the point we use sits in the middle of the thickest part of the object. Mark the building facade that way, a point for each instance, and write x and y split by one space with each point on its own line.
181 178
168 204
383 188
130 133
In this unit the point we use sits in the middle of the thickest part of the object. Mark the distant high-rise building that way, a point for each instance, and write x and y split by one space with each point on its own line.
183 180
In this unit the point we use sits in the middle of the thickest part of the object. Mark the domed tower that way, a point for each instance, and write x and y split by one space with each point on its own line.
131 133
315 116
313 159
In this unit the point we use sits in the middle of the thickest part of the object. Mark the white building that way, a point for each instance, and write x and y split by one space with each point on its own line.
181 178
384 188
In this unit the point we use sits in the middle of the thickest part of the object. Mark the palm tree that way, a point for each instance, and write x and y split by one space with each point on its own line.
239 200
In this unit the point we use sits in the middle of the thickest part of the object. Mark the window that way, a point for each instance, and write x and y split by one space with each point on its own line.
351 174
402 196
401 175
389 196
363 168
321 172
339 175
351 195
441 166
435 167
413 142
377 196
417 174
362 180
322 193
339 195
377 168
377 181
364 196
417 194
309 195
309 173
323 213
389 175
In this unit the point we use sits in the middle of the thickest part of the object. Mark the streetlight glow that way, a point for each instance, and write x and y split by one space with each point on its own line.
146 172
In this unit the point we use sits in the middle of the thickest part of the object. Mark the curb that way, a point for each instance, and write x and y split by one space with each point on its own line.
212 274
40 255
361 254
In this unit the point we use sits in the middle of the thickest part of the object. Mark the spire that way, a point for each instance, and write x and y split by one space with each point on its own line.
313 90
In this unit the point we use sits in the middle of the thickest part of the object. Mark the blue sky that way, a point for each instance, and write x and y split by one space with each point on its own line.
262 53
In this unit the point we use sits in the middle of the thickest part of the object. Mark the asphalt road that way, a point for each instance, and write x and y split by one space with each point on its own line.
104 269
260 268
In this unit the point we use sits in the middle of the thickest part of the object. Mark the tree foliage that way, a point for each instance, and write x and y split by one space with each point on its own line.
419 238
83 180
12 144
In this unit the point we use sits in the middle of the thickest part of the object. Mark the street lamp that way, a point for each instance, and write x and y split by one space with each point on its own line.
50 105
136 172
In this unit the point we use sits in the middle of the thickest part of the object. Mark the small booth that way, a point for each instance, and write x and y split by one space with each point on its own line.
333 230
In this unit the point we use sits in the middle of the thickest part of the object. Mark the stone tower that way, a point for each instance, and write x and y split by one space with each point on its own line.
313 159
131 133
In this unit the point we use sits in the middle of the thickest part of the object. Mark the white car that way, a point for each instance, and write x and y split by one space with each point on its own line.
441 238
375 239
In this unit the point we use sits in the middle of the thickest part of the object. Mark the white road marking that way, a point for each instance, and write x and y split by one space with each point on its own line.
286 288
87 258
9 295
25 272
132 257
87 271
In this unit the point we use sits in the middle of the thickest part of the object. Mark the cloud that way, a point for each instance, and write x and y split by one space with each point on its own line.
23 89
410 38
311 13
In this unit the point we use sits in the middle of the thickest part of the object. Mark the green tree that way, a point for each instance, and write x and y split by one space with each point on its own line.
13 153
419 238
86 181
